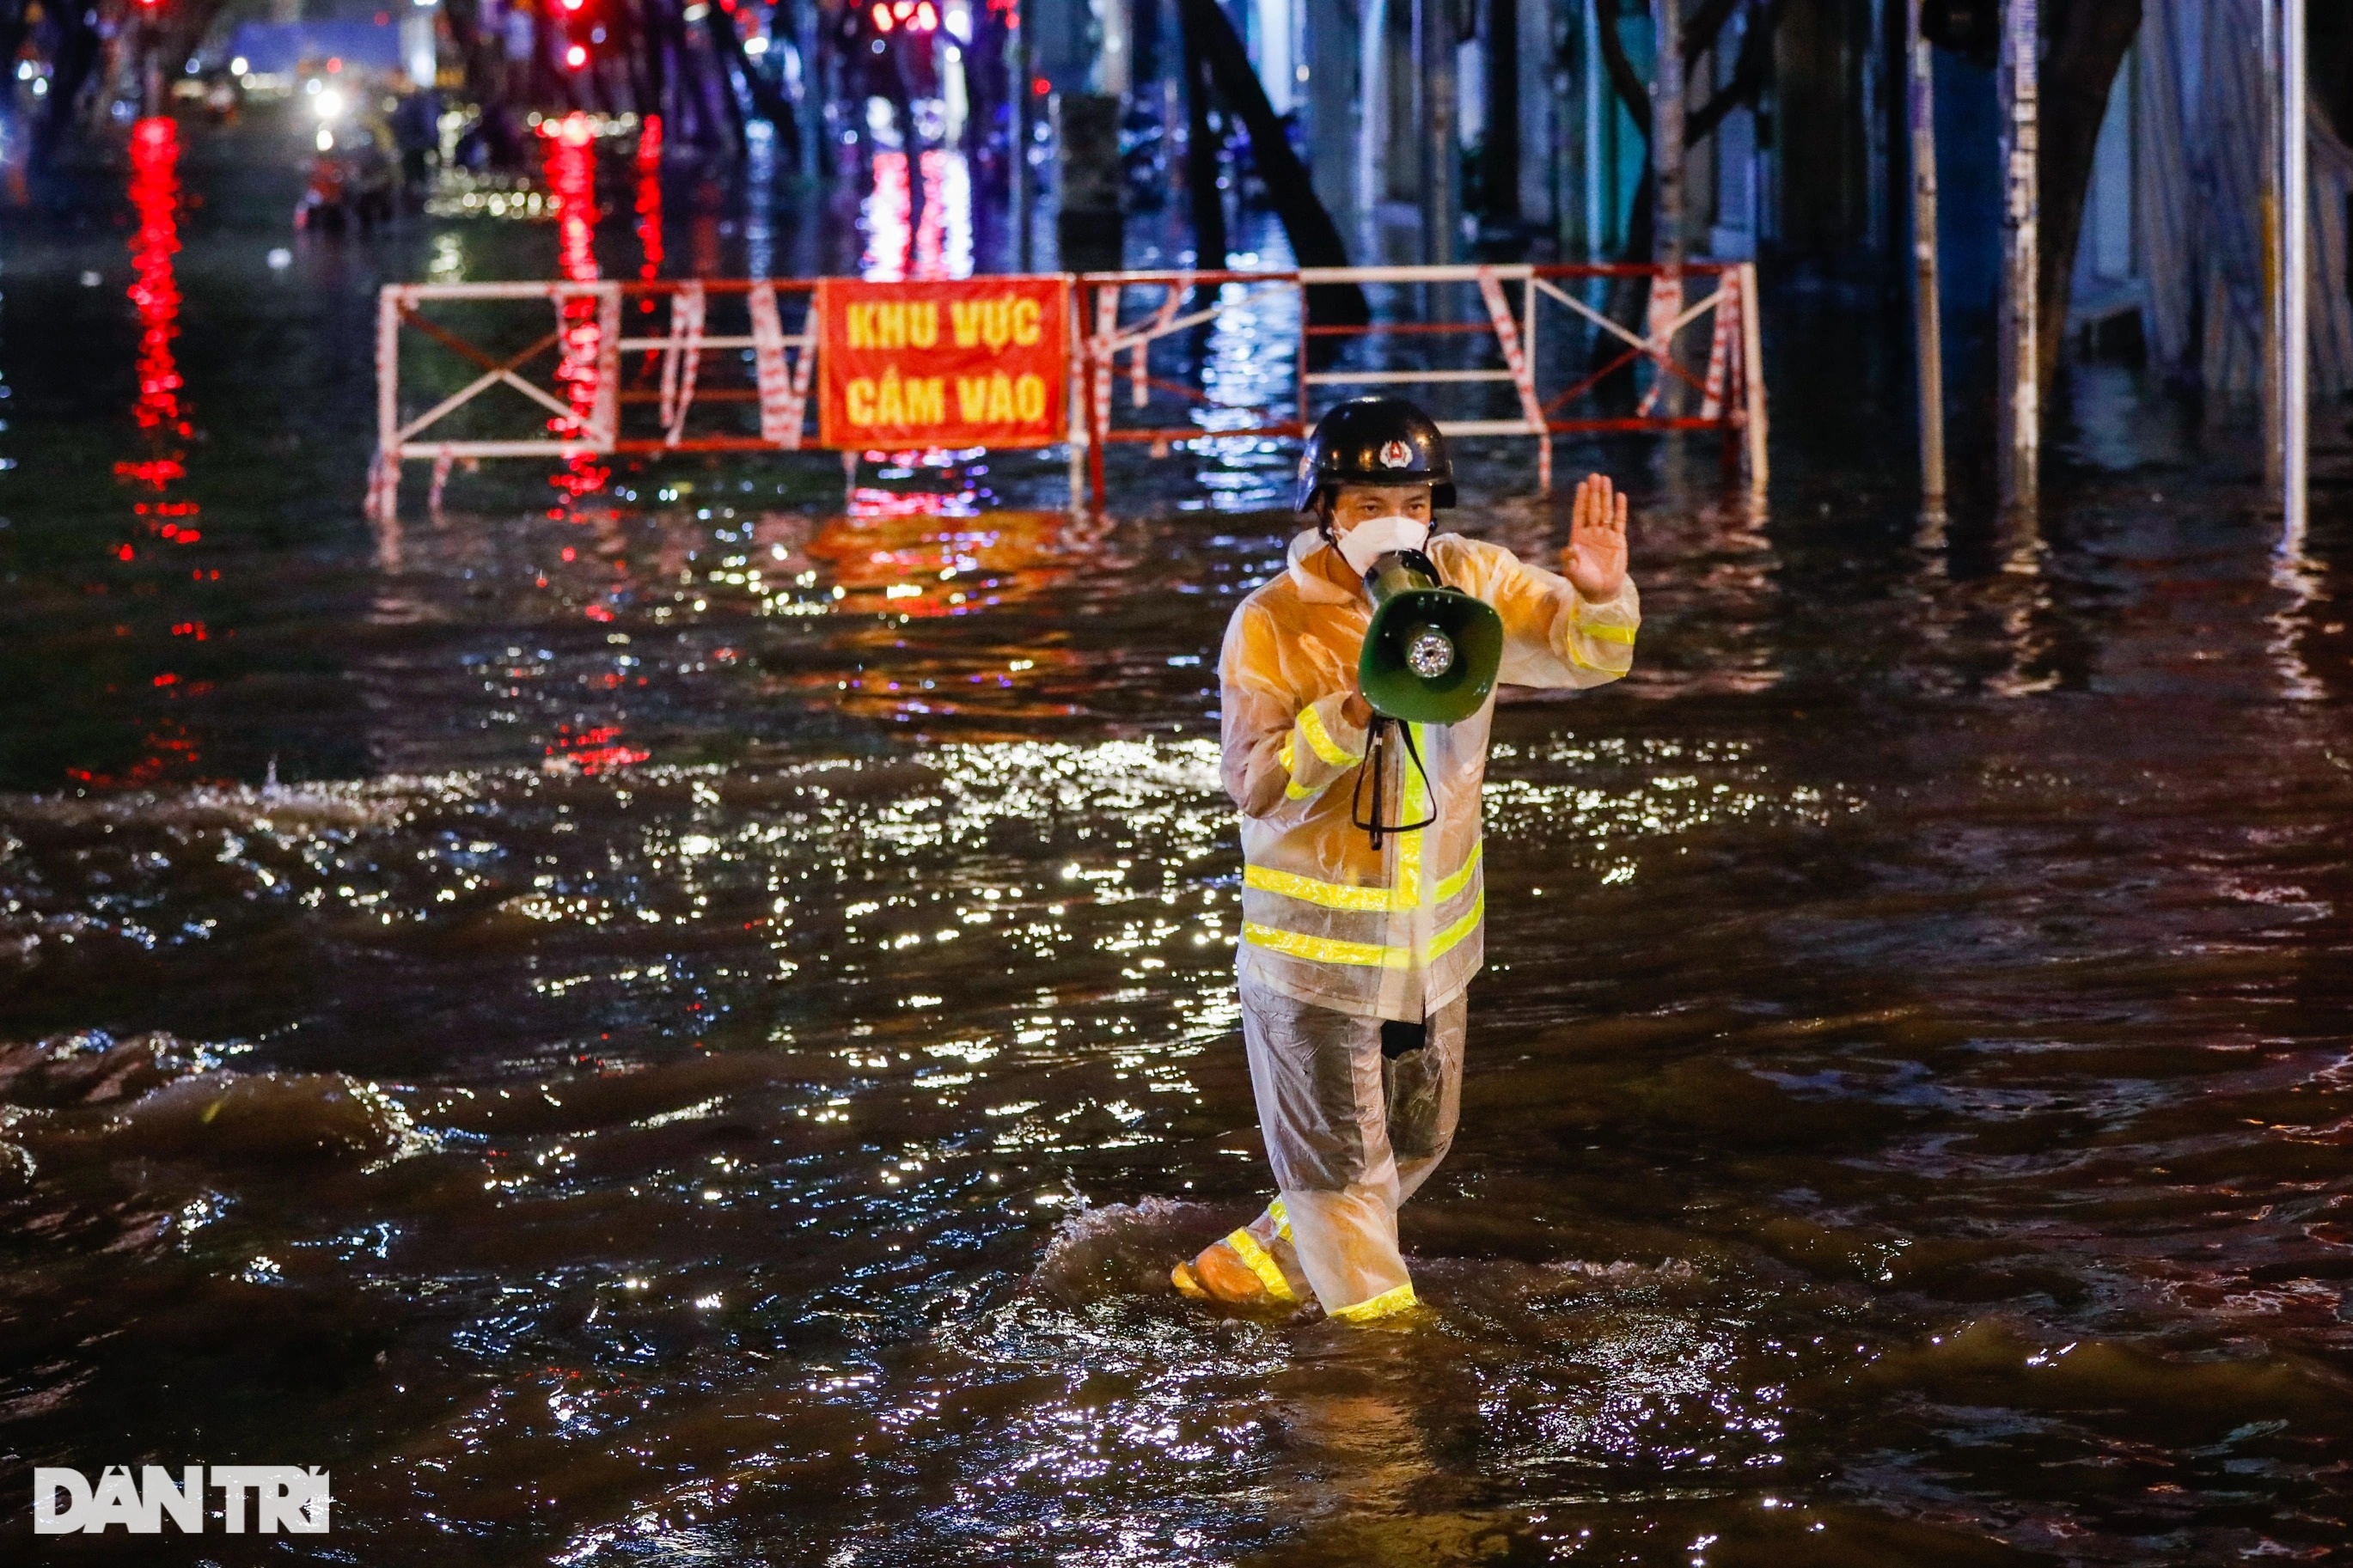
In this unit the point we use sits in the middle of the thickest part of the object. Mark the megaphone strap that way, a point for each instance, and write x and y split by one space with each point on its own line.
1376 765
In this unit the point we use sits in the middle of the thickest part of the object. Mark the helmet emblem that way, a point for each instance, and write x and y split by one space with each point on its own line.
1396 455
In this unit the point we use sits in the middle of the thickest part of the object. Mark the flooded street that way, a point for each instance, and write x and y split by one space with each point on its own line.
689 1024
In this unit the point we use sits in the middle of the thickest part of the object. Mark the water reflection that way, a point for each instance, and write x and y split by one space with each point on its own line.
1247 354
917 212
887 215
2301 581
569 150
168 520
759 198
945 1017
943 242
155 289
651 251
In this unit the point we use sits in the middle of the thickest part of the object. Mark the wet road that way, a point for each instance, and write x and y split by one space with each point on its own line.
689 1056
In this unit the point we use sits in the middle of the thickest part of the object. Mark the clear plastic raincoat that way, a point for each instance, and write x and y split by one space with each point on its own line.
1393 932
1332 925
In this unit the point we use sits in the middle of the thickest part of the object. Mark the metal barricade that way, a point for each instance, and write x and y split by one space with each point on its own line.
596 390
1731 392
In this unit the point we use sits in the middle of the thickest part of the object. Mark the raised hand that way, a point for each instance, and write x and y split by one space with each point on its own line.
1595 561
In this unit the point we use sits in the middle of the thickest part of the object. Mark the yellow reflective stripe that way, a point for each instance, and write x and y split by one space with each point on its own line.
1268 1272
1282 1217
1366 954
1386 1304
1461 879
1308 891
1352 896
1451 937
1324 949
1291 788
1623 635
1320 740
1417 806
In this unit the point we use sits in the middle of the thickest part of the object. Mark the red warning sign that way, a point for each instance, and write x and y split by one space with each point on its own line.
978 362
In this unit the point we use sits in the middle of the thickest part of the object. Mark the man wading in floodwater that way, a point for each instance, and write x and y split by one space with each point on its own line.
1358 940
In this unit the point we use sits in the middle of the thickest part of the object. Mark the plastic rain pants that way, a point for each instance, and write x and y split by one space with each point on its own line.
1351 1134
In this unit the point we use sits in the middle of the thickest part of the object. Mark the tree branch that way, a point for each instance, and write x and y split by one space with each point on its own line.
2085 49
1701 29
1314 237
1697 36
1747 73
1622 75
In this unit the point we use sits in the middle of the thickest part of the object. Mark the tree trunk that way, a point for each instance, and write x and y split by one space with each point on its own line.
2085 42
1499 155
767 102
1927 323
486 80
1629 299
12 39
1667 148
2018 381
1314 238
1201 193
653 42
75 58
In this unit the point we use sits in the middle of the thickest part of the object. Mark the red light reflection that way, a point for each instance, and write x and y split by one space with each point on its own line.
649 212
572 184
650 200
168 750
155 293
591 751
155 199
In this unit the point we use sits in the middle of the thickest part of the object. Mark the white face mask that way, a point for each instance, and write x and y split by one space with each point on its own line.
1378 536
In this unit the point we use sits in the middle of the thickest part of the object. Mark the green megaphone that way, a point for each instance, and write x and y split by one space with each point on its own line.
1431 651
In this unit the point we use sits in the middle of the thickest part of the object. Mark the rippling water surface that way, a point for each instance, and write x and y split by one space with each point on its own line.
630 1042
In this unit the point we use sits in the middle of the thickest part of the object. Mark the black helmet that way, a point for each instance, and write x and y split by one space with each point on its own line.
1374 441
